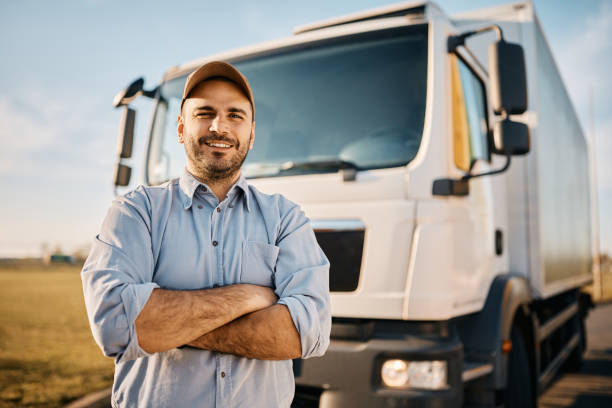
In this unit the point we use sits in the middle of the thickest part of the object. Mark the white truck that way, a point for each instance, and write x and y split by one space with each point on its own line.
447 179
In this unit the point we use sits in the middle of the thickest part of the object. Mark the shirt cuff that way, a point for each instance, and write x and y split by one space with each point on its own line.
305 318
134 297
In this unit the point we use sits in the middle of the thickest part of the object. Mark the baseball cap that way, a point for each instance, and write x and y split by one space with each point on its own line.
218 69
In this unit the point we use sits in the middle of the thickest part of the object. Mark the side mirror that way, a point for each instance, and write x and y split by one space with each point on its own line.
123 174
511 138
126 95
508 78
125 140
508 83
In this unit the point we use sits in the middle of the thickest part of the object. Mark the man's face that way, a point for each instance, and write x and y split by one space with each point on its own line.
217 130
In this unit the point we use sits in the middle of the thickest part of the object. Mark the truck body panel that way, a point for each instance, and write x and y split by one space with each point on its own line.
550 237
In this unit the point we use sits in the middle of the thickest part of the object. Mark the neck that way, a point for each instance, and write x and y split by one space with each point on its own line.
219 187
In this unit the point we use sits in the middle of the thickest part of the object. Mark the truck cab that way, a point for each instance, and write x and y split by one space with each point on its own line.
395 130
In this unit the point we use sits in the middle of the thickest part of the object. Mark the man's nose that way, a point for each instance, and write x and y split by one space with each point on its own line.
217 125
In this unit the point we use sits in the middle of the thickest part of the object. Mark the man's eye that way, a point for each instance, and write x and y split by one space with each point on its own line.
235 116
204 115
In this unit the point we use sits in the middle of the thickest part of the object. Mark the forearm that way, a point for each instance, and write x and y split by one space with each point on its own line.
171 318
267 334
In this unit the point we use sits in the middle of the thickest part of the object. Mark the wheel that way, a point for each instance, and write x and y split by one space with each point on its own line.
519 392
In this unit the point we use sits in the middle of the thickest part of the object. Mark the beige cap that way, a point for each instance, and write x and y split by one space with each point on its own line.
218 69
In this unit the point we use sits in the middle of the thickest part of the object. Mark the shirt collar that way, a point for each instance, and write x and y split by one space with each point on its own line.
189 186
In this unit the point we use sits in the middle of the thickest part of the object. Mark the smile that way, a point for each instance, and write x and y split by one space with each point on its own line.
218 144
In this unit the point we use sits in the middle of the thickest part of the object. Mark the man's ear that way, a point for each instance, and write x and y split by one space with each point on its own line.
252 139
179 129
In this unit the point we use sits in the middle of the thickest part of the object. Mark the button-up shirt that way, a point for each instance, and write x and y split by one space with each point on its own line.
179 236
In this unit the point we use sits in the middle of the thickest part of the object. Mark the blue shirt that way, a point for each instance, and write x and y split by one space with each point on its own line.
179 236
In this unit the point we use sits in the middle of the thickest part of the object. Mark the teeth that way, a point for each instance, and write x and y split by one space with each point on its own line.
218 145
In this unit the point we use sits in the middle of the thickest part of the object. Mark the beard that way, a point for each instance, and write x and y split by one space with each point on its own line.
222 165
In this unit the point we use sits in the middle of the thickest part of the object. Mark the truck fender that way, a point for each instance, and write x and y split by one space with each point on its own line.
482 334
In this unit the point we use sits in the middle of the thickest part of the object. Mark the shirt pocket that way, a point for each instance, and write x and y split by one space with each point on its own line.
258 263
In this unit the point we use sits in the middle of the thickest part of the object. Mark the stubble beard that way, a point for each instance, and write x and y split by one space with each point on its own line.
215 169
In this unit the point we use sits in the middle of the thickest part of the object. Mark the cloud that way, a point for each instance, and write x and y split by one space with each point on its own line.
20 132
45 135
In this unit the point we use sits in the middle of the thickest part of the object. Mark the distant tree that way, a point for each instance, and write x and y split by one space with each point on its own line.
45 253
80 253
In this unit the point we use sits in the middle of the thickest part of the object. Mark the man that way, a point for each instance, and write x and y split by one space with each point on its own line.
204 288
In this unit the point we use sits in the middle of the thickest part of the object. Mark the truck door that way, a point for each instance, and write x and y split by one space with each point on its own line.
476 232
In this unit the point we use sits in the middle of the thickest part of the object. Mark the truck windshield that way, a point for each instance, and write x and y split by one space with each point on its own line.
355 102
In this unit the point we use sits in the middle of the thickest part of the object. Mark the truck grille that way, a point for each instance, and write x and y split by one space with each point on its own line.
342 242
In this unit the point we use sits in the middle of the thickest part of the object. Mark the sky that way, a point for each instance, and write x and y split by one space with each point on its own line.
63 62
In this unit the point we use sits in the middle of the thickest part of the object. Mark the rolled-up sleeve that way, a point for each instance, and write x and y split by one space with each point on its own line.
302 281
117 276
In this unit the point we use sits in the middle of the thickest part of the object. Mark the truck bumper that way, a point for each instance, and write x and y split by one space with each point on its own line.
349 374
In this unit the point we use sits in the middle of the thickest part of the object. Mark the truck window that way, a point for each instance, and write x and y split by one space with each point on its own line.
359 98
470 128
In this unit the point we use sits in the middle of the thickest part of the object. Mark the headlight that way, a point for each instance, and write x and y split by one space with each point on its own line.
429 375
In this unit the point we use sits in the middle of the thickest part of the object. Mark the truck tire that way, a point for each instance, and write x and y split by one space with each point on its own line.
519 392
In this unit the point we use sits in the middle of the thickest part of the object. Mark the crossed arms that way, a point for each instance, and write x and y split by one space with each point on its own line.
240 319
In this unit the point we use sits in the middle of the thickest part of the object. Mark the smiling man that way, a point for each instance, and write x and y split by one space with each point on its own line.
204 288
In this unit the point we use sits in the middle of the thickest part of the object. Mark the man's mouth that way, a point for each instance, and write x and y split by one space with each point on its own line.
221 142
218 144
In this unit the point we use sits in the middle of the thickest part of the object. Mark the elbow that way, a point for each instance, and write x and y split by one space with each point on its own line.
318 349
111 332
323 335
120 344
319 342
110 341
112 312
313 322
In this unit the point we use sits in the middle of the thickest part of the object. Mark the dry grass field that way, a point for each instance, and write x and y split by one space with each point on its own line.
47 354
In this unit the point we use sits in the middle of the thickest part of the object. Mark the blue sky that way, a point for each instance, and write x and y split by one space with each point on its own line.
63 61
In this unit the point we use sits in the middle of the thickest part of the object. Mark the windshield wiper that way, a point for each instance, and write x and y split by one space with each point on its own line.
349 169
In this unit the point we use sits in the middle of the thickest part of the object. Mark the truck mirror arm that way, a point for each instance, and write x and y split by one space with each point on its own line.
133 91
492 172
455 41
461 187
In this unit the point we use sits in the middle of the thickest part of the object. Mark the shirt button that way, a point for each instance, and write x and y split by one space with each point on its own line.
203 188
222 374
215 243
200 206
231 206
218 209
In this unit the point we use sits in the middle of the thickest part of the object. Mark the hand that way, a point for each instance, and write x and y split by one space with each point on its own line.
260 296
